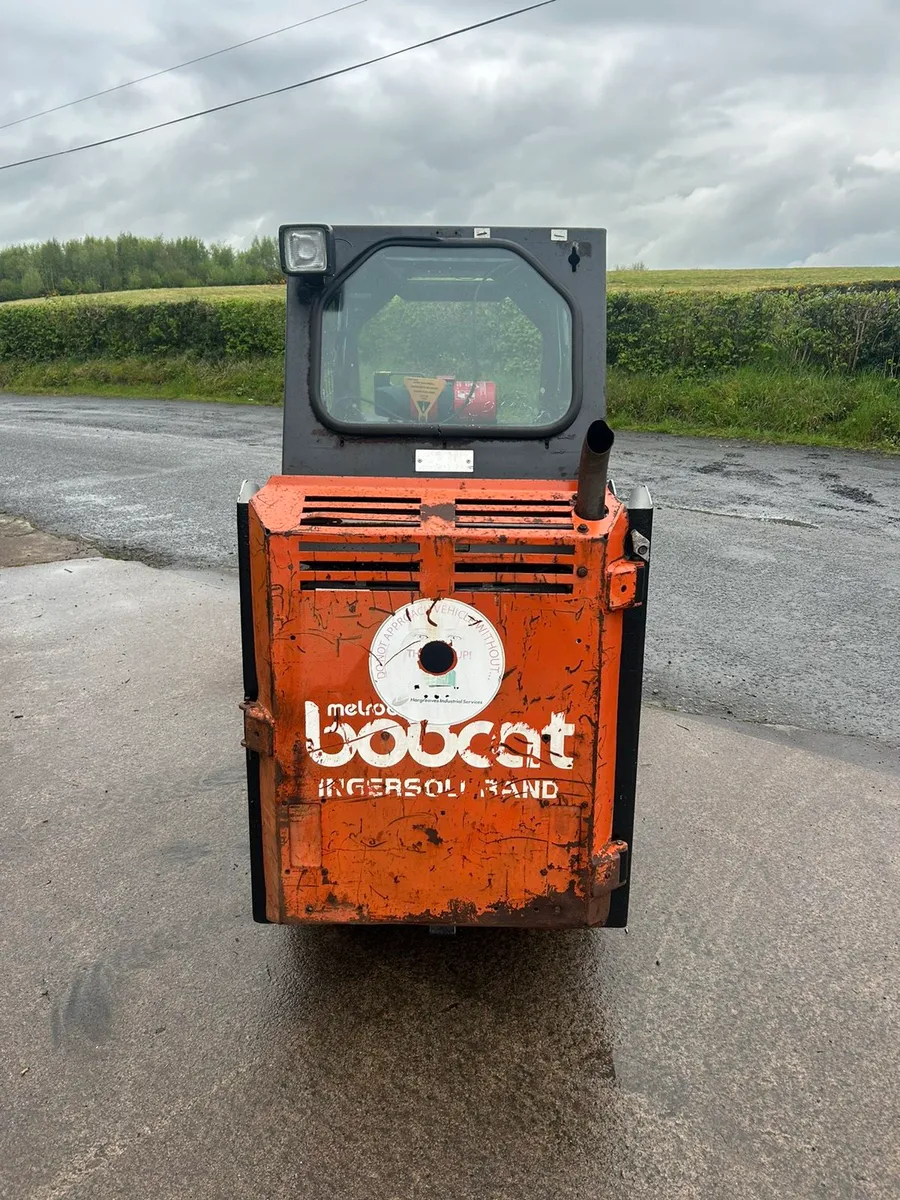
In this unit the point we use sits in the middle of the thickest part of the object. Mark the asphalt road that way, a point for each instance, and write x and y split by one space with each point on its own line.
740 1042
776 570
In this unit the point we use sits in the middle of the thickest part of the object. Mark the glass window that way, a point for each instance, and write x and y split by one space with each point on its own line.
436 338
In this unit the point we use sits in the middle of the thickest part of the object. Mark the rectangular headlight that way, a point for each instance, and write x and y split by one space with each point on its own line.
305 249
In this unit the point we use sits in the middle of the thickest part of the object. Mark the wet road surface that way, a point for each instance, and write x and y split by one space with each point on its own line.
739 1042
776 570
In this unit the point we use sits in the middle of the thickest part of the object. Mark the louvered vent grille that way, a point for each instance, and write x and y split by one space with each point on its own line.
520 565
339 567
383 512
502 567
503 513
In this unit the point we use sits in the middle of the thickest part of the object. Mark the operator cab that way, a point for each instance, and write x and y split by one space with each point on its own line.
440 339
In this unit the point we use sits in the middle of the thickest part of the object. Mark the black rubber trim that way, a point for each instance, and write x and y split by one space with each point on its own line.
251 692
257 866
248 648
628 728
446 432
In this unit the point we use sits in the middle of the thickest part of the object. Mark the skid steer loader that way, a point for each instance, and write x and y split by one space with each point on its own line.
442 596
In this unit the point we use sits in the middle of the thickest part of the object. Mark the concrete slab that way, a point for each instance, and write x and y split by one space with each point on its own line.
740 1041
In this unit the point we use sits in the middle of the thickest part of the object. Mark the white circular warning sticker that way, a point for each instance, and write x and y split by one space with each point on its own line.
438 661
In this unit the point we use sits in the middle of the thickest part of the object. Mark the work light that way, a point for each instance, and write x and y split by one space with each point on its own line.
305 249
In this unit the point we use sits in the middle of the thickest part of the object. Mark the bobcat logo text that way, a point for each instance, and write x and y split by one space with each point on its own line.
386 741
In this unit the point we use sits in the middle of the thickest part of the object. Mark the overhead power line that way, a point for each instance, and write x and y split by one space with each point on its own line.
179 66
432 41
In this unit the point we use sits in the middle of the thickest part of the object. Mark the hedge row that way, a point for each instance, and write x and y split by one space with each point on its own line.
234 328
702 333
691 333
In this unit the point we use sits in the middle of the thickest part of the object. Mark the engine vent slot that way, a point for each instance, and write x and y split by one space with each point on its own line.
504 549
504 513
538 568
339 567
383 512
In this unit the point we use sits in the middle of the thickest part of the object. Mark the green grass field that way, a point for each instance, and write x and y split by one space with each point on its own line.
726 281
748 280
259 291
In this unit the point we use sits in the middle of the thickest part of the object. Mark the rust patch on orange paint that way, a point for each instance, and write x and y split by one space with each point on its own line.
258 728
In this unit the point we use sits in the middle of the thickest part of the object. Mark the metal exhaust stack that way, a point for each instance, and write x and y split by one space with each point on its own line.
590 503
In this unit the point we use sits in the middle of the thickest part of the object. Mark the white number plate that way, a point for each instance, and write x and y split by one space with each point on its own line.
456 462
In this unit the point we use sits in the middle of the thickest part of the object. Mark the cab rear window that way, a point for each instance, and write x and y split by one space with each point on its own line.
434 339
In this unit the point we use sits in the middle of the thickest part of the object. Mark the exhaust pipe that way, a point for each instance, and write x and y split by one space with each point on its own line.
590 503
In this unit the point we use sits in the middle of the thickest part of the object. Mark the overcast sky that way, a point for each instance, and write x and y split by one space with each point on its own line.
698 132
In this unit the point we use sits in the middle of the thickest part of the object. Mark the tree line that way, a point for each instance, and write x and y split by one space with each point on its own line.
128 262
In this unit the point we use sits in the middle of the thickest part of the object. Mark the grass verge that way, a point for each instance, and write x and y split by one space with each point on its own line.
232 381
766 405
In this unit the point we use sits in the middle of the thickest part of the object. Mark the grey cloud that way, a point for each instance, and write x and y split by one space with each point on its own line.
707 133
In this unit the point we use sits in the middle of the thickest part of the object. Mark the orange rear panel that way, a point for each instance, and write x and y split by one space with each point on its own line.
478 790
